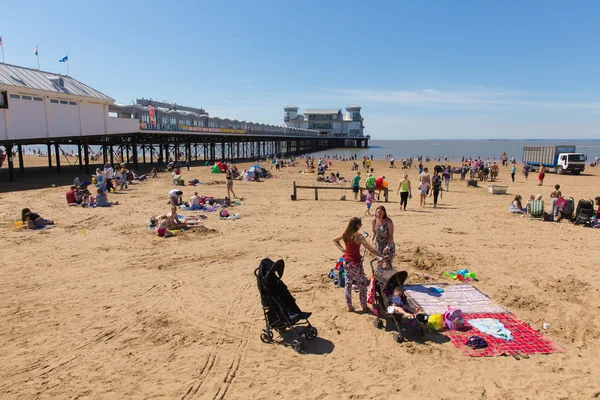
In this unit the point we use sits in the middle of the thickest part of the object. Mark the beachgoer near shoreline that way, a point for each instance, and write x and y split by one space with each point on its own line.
436 187
32 220
526 169
353 262
513 171
383 234
542 175
404 190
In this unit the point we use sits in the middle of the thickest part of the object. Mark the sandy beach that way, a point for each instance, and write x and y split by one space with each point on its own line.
101 308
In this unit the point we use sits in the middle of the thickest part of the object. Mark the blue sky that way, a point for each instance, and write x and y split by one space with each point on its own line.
437 69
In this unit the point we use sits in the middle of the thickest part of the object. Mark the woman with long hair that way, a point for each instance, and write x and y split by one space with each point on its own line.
383 234
353 263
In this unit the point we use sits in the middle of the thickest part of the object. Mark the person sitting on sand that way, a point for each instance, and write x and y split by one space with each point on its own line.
88 199
173 221
70 196
161 227
195 202
102 200
516 207
33 220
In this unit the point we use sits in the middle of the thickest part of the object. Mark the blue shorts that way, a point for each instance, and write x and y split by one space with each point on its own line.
368 206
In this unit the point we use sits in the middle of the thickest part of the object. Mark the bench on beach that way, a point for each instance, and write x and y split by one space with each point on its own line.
317 188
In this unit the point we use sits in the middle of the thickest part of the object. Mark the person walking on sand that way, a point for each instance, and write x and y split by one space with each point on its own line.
355 186
526 169
513 171
542 175
353 262
405 191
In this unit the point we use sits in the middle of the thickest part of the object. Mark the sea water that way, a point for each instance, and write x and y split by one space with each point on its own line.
456 149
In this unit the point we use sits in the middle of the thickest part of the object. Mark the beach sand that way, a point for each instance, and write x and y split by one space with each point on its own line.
101 308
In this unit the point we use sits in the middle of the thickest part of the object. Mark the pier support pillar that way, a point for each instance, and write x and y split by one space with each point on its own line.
11 169
86 155
20 151
79 155
49 155
57 151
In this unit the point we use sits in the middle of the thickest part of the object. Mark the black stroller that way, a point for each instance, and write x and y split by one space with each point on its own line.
386 279
280 308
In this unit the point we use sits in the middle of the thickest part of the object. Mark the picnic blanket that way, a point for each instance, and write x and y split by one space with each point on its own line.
466 297
526 340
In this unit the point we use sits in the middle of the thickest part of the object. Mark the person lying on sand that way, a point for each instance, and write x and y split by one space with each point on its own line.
161 227
33 220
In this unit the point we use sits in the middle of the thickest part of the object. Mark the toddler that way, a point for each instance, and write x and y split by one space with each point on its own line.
369 201
399 304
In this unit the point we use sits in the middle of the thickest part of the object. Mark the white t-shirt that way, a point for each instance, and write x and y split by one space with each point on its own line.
110 173
173 193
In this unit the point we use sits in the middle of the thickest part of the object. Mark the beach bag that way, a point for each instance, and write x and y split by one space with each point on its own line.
453 318
371 291
224 214
435 322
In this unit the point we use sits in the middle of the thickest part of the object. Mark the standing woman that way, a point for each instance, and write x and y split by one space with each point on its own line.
230 191
542 175
353 263
383 234
513 172
405 191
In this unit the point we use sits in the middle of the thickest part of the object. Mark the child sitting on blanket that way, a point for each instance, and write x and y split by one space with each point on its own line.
399 304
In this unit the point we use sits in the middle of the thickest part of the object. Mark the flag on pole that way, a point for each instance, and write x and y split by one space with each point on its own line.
64 59
0 40
35 51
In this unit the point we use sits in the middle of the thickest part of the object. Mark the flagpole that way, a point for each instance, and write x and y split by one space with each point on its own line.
67 65
38 56
2 45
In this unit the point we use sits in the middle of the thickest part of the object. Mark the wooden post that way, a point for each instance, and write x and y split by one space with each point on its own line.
294 191
385 194
316 194
9 155
57 151
20 150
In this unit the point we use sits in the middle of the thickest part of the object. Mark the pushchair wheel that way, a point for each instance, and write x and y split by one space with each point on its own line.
398 337
297 346
312 333
266 336
378 323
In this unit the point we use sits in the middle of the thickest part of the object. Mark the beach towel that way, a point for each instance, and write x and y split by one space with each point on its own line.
466 297
526 340
491 326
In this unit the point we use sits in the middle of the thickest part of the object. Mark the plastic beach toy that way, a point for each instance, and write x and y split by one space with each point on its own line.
18 224
436 289
451 275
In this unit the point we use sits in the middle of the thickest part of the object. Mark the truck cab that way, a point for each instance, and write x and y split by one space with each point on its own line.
570 162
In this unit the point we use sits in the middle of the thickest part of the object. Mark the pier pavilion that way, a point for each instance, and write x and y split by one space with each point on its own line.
43 108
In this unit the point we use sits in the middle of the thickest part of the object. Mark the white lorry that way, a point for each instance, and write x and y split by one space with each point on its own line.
561 158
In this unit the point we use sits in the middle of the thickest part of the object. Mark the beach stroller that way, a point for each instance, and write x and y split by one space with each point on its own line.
279 306
584 213
566 207
386 279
